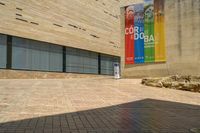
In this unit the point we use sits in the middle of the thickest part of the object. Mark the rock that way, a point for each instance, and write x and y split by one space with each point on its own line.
174 77
150 80
195 130
195 79
159 84
186 78
175 85
144 81
187 82
167 84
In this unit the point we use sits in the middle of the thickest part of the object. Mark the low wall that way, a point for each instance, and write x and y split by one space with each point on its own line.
18 74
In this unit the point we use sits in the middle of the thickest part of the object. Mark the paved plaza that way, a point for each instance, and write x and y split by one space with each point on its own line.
95 105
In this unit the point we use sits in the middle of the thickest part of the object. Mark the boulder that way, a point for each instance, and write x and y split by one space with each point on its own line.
167 84
186 82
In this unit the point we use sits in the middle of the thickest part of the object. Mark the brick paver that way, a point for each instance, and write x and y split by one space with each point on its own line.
94 106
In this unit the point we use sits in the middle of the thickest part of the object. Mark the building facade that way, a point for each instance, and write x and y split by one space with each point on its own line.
182 31
87 36
57 36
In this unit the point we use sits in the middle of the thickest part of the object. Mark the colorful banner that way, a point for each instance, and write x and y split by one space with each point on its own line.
149 31
129 35
139 33
144 32
159 31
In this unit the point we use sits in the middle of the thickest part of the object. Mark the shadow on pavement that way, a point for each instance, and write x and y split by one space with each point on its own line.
143 116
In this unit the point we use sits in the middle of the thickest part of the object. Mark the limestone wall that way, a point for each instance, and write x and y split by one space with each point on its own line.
98 25
86 24
182 25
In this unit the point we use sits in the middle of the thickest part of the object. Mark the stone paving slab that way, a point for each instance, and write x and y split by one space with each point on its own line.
95 105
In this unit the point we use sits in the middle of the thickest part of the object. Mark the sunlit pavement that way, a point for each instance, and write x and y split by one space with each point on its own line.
95 105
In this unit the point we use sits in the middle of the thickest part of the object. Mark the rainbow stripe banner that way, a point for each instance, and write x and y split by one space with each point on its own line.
159 31
149 31
139 33
145 34
129 35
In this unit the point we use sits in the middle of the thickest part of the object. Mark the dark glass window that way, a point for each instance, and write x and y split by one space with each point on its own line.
3 51
81 61
107 64
35 55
